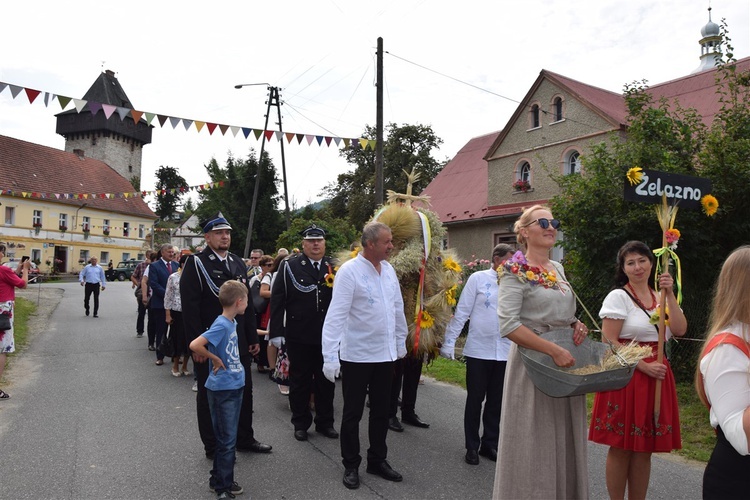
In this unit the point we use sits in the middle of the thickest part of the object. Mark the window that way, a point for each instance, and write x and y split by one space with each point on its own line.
126 230
524 172
104 258
141 231
36 219
557 109
86 226
63 222
573 163
10 215
125 255
534 116
83 257
36 256
105 227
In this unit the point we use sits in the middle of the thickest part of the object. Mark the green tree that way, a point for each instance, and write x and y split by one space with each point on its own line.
170 188
597 221
339 234
406 147
234 200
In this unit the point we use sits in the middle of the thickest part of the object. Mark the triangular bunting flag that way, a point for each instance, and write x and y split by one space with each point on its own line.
246 131
175 121
136 115
15 90
372 143
234 131
289 137
328 141
64 101
363 143
32 95
337 140
268 134
198 125
346 142
257 133
224 129
123 112
150 117
47 97
278 136
309 139
108 110
2 86
187 123
79 104
94 107
211 128
319 138
299 138
163 120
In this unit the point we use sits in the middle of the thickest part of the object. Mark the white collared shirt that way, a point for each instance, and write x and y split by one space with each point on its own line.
365 322
478 304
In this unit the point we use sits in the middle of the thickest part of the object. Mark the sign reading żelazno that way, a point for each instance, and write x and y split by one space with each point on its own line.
684 190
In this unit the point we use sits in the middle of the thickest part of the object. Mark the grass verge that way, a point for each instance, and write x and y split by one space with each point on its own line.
21 312
698 436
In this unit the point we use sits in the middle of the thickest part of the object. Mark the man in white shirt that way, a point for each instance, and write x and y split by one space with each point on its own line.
486 354
366 329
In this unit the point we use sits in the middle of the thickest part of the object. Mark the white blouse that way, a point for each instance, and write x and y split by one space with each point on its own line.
618 305
726 380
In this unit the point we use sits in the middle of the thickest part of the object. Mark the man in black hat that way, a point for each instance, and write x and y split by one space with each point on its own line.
202 276
300 298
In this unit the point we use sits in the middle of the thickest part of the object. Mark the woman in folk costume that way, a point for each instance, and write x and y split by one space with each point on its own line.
543 449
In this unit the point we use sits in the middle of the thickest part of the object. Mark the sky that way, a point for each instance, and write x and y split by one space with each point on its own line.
460 67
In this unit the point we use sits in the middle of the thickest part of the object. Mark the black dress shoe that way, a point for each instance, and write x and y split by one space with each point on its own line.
490 453
300 435
472 458
384 470
395 425
351 479
413 419
256 447
328 432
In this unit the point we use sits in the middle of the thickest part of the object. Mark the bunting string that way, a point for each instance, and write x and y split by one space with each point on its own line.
162 120
109 196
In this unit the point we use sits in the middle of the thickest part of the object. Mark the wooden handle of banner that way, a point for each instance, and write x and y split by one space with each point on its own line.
662 331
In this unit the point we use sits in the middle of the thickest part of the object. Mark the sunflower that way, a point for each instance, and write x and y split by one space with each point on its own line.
634 175
329 280
427 320
710 205
451 265
450 295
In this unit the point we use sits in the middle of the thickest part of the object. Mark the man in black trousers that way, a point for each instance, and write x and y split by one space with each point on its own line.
202 276
300 298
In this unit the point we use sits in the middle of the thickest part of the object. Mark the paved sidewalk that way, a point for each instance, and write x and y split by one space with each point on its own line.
91 416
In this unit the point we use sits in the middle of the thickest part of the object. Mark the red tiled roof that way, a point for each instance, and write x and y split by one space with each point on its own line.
696 91
459 191
610 104
25 166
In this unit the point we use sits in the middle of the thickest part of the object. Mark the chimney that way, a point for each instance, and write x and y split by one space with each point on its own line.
79 153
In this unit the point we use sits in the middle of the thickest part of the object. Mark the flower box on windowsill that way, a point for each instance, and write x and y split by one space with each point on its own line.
63 229
522 186
105 232
86 234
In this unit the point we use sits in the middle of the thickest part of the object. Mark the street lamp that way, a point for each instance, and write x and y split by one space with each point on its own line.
272 101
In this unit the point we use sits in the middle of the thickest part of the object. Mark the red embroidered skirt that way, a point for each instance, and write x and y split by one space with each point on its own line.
625 418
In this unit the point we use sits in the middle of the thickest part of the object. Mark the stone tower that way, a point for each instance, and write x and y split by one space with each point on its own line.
710 45
117 142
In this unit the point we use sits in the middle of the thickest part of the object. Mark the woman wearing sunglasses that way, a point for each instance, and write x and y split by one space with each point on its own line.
543 449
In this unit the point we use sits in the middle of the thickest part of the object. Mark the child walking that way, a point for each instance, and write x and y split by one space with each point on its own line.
225 384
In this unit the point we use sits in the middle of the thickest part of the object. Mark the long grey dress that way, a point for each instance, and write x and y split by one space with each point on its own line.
542 451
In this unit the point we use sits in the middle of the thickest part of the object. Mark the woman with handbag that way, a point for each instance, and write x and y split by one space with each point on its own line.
176 337
260 305
9 281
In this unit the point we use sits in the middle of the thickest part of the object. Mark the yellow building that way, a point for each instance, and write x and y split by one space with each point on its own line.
62 207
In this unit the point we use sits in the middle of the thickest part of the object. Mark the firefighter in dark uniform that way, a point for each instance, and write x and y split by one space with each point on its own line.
299 301
202 275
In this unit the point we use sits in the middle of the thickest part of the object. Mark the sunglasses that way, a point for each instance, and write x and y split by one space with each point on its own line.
544 223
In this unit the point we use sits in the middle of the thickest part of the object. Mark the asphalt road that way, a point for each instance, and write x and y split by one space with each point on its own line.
91 416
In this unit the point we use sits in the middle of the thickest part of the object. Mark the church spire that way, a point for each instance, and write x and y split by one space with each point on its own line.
710 45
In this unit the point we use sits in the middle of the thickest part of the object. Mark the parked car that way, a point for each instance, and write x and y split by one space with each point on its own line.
124 270
34 273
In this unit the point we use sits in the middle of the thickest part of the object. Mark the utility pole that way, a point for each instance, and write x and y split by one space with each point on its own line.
379 127
273 100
